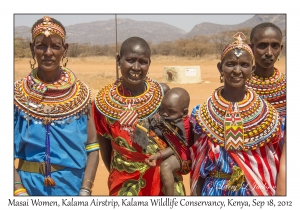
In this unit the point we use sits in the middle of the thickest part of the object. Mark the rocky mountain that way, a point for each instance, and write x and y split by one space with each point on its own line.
211 28
103 32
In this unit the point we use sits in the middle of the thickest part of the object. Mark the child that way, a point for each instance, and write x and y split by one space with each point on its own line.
171 124
165 87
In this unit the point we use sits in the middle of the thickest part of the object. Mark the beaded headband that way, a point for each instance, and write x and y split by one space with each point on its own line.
48 27
237 45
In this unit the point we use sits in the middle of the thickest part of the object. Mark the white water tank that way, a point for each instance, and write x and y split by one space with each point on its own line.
182 74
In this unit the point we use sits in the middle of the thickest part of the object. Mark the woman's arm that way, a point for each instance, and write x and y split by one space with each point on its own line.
281 178
18 185
105 150
17 179
93 158
102 128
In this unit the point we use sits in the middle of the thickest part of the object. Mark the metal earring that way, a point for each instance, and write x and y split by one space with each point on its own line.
32 65
221 78
64 63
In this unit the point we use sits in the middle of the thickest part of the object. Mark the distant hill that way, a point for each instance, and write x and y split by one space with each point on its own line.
211 28
103 32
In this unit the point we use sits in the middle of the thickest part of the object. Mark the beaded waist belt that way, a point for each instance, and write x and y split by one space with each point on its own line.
219 174
236 178
36 167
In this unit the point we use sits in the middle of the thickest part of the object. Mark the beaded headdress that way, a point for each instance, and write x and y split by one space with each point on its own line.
237 45
48 27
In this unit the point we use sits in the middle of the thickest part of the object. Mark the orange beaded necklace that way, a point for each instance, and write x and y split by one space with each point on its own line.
129 109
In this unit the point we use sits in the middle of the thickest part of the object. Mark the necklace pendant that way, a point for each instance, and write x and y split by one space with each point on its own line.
233 128
128 117
47 109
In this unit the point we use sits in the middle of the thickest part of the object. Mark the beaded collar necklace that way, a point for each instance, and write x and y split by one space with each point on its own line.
129 109
49 102
272 89
259 119
39 88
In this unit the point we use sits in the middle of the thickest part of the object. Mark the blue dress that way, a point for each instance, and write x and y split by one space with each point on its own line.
216 159
67 149
60 108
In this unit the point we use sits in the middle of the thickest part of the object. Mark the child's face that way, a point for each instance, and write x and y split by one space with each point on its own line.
266 46
236 70
171 107
134 64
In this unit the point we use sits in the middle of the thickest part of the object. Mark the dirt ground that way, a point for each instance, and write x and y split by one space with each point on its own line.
97 72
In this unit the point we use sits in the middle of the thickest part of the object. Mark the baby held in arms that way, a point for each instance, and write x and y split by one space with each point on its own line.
171 124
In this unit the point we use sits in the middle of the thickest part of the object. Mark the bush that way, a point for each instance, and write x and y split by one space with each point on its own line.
196 46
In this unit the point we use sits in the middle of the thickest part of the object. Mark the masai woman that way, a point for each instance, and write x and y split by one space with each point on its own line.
54 134
236 147
120 112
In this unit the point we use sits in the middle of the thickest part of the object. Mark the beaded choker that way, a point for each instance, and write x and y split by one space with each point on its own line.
49 102
272 89
259 119
126 109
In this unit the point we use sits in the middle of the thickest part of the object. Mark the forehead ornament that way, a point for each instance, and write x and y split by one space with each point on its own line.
48 27
238 45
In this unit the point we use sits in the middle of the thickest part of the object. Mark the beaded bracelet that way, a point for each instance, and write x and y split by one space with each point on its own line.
84 191
92 147
23 194
21 191
87 188
160 155
18 183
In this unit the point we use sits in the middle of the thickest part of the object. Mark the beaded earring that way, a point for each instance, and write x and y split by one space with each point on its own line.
64 63
221 78
32 65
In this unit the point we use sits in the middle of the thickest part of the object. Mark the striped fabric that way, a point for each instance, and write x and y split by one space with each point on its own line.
260 166
198 153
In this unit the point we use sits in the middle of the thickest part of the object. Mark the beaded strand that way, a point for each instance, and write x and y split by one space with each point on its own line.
260 119
110 102
272 89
